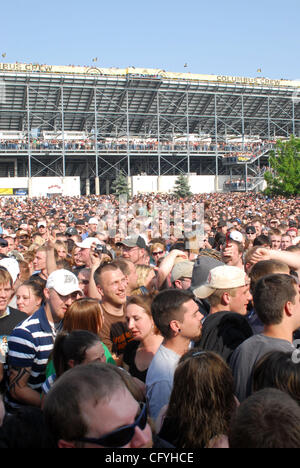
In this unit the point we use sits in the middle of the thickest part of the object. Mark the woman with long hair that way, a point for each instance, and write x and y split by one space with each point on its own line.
146 280
29 296
84 314
202 402
72 349
139 353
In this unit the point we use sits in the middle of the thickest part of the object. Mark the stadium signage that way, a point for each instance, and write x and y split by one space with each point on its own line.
141 73
254 81
29 67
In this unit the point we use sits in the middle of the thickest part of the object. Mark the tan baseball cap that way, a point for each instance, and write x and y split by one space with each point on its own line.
222 277
183 269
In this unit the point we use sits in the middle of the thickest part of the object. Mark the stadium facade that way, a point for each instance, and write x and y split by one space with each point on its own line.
90 122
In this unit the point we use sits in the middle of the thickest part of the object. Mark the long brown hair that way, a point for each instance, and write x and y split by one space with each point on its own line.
84 314
202 400
144 302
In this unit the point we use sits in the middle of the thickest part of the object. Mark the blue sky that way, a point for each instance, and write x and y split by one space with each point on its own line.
215 37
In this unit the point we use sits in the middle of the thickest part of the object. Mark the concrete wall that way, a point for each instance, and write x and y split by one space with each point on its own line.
166 184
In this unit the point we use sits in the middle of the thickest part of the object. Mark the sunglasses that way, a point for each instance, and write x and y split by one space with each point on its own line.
83 281
123 435
158 253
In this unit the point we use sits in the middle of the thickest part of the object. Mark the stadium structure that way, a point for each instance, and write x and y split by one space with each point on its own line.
94 122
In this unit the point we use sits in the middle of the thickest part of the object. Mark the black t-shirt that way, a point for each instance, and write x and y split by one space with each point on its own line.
129 359
7 324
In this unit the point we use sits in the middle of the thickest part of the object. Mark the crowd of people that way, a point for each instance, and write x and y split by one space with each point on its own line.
88 144
130 328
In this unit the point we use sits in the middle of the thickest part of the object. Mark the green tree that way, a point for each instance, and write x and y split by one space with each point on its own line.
120 185
182 188
284 176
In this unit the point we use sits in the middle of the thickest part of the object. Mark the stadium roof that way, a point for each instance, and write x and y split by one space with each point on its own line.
145 102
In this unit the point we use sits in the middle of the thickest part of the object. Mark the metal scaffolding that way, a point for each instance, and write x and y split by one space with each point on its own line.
127 108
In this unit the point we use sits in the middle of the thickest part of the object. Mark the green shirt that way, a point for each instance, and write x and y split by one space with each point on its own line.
109 359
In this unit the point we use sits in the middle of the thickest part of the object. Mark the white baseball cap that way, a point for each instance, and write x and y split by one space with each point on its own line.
41 223
63 281
93 221
87 242
222 277
236 236
12 266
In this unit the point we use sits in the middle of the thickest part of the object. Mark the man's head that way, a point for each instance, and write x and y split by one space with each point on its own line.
269 418
275 238
292 232
4 247
91 406
250 233
286 241
111 283
85 248
11 242
175 313
42 227
276 298
256 222
129 270
62 289
135 249
84 279
92 225
39 262
266 268
232 253
6 290
62 226
181 276
226 288
222 226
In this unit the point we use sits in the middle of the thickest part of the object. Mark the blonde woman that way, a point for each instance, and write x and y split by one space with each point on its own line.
146 282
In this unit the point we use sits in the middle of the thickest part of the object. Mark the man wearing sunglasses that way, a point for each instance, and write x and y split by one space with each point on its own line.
90 406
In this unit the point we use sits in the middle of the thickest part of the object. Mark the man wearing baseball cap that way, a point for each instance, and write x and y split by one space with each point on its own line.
135 249
181 276
232 252
92 226
31 343
85 247
42 229
227 291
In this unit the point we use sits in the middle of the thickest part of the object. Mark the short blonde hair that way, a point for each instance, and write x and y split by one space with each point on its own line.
216 297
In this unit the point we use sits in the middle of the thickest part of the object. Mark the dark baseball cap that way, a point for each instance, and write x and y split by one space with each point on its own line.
3 242
71 231
221 223
250 230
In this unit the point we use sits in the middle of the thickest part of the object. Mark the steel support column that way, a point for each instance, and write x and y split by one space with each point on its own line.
216 144
63 132
29 132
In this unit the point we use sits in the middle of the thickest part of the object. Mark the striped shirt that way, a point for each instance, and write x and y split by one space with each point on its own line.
30 345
